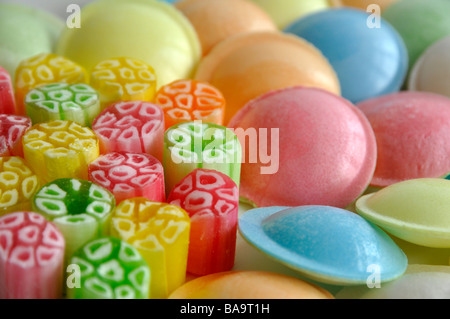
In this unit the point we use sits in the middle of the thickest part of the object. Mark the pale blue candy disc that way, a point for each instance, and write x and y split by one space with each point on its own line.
326 244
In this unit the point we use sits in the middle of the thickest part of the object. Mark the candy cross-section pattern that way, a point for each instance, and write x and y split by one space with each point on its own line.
12 129
197 144
7 99
79 208
18 184
109 268
134 126
212 201
160 232
189 100
42 69
61 101
123 79
31 257
58 149
129 175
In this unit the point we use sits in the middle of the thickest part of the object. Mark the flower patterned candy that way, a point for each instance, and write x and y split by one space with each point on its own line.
196 144
110 269
7 100
129 175
12 128
61 101
79 208
58 149
44 69
212 201
134 126
123 79
31 257
189 100
18 184
160 232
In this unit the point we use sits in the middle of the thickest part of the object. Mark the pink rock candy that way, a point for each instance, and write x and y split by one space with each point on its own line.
136 127
211 199
129 175
31 257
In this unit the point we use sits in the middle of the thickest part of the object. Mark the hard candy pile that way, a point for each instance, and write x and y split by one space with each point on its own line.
225 149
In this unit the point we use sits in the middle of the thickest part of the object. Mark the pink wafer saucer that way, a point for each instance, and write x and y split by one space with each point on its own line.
326 148
412 131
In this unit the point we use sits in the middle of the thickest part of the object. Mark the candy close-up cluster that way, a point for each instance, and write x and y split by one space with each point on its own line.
225 149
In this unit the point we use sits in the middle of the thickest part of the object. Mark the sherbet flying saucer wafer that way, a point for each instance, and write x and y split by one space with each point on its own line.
160 232
31 257
245 66
149 30
79 208
25 32
129 175
110 269
58 149
60 101
284 12
18 184
217 20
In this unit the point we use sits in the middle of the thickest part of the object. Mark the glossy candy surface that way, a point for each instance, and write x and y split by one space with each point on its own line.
60 101
190 100
414 210
79 208
25 32
18 184
196 144
31 257
249 284
412 130
45 68
420 23
160 232
123 79
324 243
217 20
110 269
12 129
369 61
212 201
363 4
322 149
129 175
7 99
431 72
149 30
284 12
248 65
136 127
59 149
